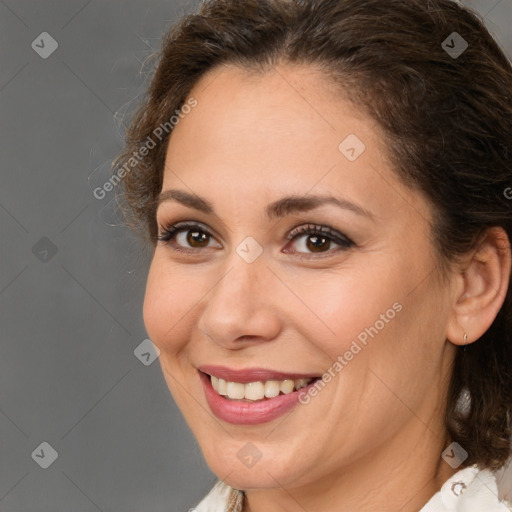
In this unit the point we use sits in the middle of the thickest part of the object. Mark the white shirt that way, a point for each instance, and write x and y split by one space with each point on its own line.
468 490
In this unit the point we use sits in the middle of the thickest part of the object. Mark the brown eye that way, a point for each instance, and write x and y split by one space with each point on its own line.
194 237
185 236
317 243
318 239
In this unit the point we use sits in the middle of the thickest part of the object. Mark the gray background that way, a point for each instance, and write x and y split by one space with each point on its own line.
72 280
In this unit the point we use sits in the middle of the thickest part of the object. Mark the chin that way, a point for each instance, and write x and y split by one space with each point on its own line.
235 467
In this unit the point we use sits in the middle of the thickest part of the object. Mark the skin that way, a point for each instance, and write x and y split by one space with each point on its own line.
372 438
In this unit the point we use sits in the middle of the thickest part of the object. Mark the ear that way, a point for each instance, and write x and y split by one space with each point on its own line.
480 287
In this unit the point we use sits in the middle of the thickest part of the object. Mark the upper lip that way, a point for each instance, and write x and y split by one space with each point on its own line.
251 374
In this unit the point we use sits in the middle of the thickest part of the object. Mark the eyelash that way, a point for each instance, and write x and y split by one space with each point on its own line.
168 234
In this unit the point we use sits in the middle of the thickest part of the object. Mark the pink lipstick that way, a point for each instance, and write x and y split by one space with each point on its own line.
250 412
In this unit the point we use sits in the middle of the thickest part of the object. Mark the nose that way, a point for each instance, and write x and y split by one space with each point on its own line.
241 306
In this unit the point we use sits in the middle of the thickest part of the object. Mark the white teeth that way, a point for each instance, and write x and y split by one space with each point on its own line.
235 390
272 388
256 390
300 383
222 387
287 386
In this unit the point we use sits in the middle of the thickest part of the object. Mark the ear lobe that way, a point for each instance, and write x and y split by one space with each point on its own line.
482 286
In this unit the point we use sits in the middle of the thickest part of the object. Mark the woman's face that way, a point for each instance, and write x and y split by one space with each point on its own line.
245 291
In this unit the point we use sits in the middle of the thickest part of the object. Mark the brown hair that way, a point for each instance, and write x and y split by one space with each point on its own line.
447 119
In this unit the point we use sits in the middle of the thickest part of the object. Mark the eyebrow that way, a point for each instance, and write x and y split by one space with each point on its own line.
279 208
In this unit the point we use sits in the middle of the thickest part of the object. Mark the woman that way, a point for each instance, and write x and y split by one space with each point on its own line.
323 185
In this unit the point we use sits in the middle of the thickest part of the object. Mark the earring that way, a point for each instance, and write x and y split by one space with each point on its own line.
465 342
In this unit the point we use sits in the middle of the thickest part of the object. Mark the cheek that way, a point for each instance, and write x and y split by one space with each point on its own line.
166 313
356 304
167 302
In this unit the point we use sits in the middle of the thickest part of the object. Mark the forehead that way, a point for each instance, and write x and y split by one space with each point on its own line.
285 129
297 99
291 113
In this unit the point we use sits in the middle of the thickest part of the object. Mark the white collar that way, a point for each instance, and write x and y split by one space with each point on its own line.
468 490
216 500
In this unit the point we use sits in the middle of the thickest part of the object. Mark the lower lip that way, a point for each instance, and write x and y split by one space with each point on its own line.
249 413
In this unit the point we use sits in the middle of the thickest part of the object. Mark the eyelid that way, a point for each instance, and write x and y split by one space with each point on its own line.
167 234
166 229
305 229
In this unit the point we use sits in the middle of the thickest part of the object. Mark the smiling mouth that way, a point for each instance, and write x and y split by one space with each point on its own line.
258 390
